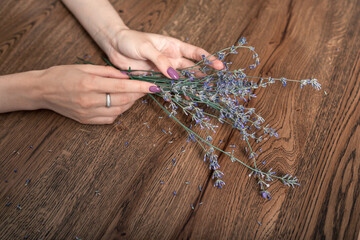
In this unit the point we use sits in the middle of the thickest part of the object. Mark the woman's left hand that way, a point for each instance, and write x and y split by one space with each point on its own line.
146 51
129 48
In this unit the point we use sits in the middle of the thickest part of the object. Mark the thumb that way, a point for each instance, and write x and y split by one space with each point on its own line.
160 60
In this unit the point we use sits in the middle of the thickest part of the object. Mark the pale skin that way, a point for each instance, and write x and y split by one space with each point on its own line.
78 91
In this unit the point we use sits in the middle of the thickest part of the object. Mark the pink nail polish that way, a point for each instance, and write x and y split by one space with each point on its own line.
154 89
172 73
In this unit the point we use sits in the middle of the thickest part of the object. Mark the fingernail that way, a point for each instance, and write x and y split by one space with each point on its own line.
154 89
172 73
126 73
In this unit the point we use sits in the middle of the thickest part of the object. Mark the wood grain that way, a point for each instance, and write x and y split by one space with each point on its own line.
68 162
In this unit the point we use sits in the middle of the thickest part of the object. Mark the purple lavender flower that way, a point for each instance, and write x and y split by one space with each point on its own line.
27 182
252 155
221 56
314 82
209 138
217 174
214 164
242 41
265 194
219 183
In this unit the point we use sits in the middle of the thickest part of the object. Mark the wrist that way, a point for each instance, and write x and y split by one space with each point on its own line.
21 91
32 90
106 37
99 18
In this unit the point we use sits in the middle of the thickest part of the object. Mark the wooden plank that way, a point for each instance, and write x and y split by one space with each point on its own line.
68 162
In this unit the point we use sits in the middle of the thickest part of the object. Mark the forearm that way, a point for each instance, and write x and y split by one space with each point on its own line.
99 18
20 91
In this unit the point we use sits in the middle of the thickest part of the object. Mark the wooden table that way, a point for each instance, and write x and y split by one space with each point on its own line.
85 181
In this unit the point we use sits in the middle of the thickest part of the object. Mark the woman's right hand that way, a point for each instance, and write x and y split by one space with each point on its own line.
79 92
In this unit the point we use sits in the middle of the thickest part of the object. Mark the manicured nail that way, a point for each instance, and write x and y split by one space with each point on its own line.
172 73
154 89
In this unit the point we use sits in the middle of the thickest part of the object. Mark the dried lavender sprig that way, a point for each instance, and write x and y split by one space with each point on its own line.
256 170
209 138
260 174
251 154
228 48
217 107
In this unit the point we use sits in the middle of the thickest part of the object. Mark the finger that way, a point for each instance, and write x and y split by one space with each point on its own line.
188 65
125 98
148 51
117 99
103 71
100 120
127 107
184 63
112 85
112 111
125 63
101 115
193 52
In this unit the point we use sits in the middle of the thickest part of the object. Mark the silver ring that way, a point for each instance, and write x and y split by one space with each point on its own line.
108 100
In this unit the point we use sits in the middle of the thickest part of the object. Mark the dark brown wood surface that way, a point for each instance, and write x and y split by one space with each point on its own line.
68 162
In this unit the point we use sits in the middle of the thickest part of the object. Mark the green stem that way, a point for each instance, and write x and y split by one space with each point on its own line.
189 130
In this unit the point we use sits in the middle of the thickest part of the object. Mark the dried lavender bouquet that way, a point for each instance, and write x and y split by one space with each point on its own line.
220 95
